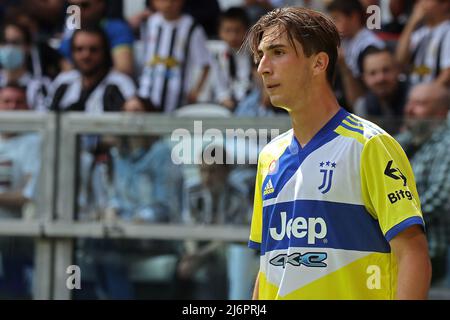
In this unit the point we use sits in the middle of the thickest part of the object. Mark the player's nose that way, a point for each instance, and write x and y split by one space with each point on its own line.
264 66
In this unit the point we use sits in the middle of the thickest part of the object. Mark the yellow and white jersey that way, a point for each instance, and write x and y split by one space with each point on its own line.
324 214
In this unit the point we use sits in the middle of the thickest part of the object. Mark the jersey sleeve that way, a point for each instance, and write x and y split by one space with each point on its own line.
388 186
119 34
256 225
64 48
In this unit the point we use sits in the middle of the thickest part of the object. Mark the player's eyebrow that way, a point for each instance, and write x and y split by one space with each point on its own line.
271 47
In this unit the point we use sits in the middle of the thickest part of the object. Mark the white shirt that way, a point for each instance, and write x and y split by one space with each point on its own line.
425 43
227 85
166 76
94 104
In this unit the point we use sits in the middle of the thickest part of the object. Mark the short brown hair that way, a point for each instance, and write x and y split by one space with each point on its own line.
313 30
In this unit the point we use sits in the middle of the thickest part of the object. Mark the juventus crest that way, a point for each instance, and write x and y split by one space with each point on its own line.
327 171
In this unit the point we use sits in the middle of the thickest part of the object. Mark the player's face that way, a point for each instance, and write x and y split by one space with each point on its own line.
88 53
232 32
286 72
380 74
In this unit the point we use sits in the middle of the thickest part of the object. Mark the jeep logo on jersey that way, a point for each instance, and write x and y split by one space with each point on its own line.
309 259
327 176
394 173
300 228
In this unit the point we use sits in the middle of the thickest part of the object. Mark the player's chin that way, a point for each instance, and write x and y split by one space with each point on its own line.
277 102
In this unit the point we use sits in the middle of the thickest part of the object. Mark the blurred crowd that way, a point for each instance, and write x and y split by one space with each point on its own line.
174 54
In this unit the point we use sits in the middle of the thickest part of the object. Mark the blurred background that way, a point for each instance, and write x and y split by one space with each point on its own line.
91 98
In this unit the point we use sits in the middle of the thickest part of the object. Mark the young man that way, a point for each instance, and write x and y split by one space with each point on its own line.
336 211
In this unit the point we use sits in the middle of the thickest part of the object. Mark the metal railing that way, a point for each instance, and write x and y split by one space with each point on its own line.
55 227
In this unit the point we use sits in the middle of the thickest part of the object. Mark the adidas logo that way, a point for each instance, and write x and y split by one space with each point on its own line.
269 188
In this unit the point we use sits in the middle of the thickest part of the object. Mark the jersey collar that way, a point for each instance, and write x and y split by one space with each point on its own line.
320 137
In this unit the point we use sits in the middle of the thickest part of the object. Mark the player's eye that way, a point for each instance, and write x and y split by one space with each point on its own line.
278 52
257 59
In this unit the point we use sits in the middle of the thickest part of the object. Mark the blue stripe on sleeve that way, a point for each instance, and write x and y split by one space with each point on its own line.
352 129
395 230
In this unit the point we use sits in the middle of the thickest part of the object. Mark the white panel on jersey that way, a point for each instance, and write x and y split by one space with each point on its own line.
345 184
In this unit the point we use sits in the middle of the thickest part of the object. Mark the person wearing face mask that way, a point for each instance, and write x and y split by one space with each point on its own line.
15 42
42 59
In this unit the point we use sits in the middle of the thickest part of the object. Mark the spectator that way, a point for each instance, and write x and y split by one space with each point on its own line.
42 59
119 34
15 45
19 170
386 95
206 13
425 52
176 46
145 163
391 29
212 201
349 17
13 97
93 86
234 78
145 188
427 143
257 103
48 14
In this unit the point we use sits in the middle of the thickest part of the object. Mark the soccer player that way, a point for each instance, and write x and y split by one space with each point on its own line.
336 210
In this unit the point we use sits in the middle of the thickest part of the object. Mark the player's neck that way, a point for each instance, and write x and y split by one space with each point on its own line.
313 113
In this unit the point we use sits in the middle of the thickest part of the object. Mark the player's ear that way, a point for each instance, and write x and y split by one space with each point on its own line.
320 63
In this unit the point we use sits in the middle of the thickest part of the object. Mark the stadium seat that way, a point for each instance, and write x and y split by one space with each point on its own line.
203 110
